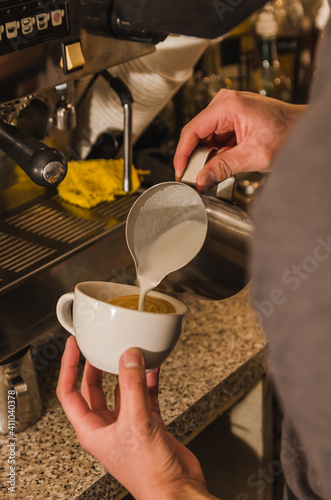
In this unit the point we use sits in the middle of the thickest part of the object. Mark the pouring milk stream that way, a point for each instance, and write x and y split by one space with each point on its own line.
165 229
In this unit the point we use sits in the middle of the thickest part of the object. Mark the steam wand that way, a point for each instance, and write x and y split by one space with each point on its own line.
126 99
44 165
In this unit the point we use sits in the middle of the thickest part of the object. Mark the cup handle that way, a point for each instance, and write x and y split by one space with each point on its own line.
64 311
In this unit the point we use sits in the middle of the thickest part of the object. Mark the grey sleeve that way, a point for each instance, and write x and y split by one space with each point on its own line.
291 268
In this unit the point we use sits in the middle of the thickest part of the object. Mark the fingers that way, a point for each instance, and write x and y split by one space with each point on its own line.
230 161
220 167
117 398
215 119
74 405
91 388
72 401
133 388
152 384
152 381
200 130
186 146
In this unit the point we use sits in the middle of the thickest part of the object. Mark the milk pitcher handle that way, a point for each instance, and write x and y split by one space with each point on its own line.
223 190
22 410
64 311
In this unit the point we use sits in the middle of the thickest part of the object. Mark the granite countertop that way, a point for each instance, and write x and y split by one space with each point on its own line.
219 357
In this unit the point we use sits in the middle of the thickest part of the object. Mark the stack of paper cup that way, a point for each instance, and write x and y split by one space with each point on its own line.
152 80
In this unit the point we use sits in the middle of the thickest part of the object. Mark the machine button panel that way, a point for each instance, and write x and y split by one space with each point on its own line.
12 29
42 21
57 16
23 24
27 25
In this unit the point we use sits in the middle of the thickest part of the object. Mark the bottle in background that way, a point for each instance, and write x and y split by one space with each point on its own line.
290 20
238 49
308 41
206 81
211 77
311 9
268 77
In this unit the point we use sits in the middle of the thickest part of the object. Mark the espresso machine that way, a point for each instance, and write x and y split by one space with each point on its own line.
45 48
50 51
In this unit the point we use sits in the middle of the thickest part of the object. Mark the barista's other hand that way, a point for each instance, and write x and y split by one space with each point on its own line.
246 128
131 441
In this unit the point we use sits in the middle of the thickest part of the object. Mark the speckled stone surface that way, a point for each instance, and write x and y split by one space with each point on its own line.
219 357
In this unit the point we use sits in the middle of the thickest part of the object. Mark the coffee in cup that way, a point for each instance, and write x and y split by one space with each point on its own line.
152 304
104 330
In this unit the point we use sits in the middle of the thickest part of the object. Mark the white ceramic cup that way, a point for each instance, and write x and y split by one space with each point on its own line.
104 331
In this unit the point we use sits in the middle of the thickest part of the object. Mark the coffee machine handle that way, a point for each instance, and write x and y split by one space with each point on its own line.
22 410
64 311
44 165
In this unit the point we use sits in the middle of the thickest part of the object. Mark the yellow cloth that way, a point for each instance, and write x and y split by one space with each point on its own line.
90 182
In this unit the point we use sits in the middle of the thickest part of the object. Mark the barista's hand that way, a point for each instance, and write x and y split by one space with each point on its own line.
131 441
247 128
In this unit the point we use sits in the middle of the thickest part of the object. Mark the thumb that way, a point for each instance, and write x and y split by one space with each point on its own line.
221 166
132 384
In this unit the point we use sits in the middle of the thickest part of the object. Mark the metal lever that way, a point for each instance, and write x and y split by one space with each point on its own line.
126 99
44 165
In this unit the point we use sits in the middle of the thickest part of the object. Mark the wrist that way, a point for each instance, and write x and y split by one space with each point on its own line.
191 490
179 490
295 110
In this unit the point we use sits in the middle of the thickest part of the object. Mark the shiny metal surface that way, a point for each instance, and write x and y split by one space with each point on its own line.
91 245
65 116
45 231
220 269
126 99
27 73
127 145
247 188
54 172
28 310
46 248
44 165
230 226
31 70
64 112
20 402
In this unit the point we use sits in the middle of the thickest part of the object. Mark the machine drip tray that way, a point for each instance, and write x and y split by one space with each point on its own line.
46 231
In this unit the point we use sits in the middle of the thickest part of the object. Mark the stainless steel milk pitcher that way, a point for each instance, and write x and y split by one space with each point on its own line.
20 402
